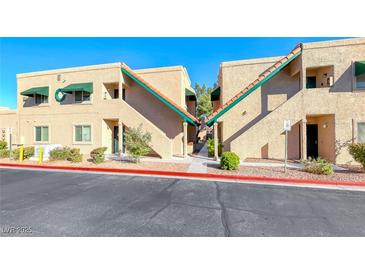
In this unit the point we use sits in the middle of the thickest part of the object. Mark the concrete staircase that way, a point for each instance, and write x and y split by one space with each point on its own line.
130 117
270 129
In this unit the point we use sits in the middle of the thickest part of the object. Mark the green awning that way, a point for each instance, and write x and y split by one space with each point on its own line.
38 90
189 92
359 68
86 87
214 96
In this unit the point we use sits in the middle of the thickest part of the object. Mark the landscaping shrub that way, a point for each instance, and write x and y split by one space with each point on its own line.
210 145
65 153
97 155
4 153
137 143
229 161
75 155
27 153
3 145
318 166
357 151
59 153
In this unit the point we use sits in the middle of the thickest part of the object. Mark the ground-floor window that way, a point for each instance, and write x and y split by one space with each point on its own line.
361 132
41 134
83 133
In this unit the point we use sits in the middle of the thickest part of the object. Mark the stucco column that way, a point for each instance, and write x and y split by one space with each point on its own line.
303 145
185 145
120 138
215 136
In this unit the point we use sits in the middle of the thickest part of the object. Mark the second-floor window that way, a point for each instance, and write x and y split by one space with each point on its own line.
360 74
360 81
82 96
40 99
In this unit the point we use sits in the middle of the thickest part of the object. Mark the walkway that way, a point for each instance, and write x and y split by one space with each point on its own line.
200 161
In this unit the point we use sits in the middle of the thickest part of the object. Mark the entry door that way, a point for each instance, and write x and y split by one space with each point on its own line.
312 141
311 82
115 139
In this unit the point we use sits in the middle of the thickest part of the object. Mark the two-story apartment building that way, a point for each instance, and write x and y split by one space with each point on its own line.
319 87
92 106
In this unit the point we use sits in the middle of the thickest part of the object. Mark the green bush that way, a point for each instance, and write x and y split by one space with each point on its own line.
229 161
357 151
137 143
97 155
27 153
318 166
210 145
59 153
65 153
4 153
75 155
3 145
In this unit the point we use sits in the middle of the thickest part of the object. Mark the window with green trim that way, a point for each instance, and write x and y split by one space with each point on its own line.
83 133
41 134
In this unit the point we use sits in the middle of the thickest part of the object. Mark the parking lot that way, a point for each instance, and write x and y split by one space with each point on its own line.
50 203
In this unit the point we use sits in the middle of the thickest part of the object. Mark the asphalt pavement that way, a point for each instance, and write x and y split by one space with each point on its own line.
50 203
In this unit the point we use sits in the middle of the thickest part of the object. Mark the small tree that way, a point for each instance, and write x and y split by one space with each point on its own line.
357 151
137 143
204 104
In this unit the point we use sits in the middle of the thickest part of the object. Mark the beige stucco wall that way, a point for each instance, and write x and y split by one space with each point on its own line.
139 108
8 119
172 81
254 127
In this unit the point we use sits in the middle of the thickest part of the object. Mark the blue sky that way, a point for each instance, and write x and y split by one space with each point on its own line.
201 56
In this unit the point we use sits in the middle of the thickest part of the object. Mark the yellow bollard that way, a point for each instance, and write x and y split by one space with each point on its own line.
40 154
21 153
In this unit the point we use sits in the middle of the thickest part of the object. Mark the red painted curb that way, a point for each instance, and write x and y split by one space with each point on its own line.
192 175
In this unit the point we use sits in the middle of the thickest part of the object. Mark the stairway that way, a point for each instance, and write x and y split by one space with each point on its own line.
130 117
270 130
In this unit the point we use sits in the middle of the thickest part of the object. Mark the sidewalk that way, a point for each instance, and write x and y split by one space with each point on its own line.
200 161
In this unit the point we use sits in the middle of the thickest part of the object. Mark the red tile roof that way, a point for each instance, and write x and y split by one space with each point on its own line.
159 93
264 74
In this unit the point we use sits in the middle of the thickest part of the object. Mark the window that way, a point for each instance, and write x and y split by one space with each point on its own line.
41 134
41 99
82 133
361 132
82 96
360 81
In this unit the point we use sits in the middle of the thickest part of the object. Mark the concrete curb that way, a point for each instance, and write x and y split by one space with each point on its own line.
294 181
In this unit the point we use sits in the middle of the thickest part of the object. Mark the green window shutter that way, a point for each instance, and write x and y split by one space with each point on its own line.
45 134
38 134
86 133
78 133
361 132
